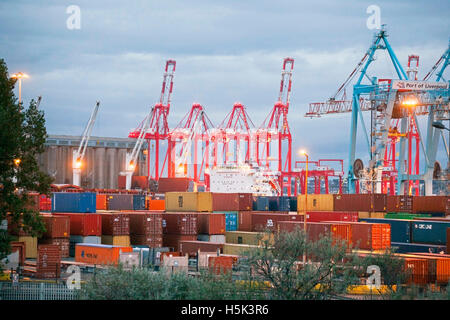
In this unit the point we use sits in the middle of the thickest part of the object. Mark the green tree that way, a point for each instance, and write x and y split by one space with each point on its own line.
22 136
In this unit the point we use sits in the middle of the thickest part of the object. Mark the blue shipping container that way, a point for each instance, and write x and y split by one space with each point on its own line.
261 203
83 202
279 203
231 220
400 229
138 202
433 232
293 203
417 247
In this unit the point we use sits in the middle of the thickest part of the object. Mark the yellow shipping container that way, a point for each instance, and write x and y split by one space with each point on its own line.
237 249
316 202
245 237
188 201
123 241
377 215
363 215
31 246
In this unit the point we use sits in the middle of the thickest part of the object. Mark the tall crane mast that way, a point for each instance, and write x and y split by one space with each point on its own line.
78 155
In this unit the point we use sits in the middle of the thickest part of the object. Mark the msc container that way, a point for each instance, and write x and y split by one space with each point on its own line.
243 237
185 223
400 229
431 204
99 253
237 249
417 247
279 204
433 232
263 221
82 202
146 223
371 236
173 240
31 246
115 224
245 220
188 201
319 216
48 262
81 239
174 185
245 201
150 240
101 203
211 223
138 202
401 203
116 240
261 203
120 201
56 226
316 202
225 201
219 238
192 247
84 224
62 243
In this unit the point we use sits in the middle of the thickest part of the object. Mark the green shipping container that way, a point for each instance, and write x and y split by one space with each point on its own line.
405 215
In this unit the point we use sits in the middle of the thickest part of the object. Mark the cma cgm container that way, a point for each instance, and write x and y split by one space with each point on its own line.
262 221
433 232
400 229
211 223
84 224
192 247
120 202
56 226
99 253
431 204
225 201
319 216
82 202
188 201
185 223
146 222
115 224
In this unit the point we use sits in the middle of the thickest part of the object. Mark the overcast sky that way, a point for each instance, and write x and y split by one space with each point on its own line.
226 51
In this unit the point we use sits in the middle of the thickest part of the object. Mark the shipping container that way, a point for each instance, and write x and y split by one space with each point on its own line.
84 224
261 203
101 203
82 239
245 220
370 236
400 229
433 232
192 247
45 203
316 202
225 201
174 185
263 221
82 202
281 203
418 271
150 240
156 204
211 223
115 224
399 203
244 237
123 241
316 230
319 216
441 264
436 205
245 202
417 247
189 201
293 204
219 238
237 249
62 243
405 215
352 202
184 223
99 253
173 240
120 201
220 264
48 262
56 226
138 202
31 246
145 223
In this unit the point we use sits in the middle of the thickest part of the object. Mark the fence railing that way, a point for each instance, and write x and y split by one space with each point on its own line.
36 291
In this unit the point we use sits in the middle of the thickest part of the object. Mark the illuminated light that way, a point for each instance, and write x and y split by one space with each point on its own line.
78 164
19 75
131 166
17 162
302 152
410 101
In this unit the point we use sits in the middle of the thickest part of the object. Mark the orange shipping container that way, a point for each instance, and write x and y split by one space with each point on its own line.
156 204
221 264
101 202
99 253
418 270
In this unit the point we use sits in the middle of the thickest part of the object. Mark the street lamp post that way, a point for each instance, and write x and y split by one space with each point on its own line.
303 152
20 76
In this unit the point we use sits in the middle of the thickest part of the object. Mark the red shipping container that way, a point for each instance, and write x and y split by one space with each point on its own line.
351 202
101 202
221 264
84 224
225 201
45 203
115 224
402 203
263 221
145 223
48 262
428 204
246 202
173 185
62 243
151 240
319 216
211 223
185 223
245 221
173 240
56 226
191 247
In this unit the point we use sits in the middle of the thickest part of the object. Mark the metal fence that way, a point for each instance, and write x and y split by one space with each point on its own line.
36 291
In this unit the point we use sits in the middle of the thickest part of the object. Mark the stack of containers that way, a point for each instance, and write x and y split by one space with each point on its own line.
179 226
48 263
212 227
31 243
84 228
115 229
229 204
57 232
146 228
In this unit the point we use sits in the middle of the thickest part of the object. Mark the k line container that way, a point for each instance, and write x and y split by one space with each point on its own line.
56 226
82 202
120 202
263 221
115 224
62 243
99 253
182 223
316 202
84 224
417 247
192 247
211 223
225 201
433 232
145 223
319 216
82 239
400 229
138 202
